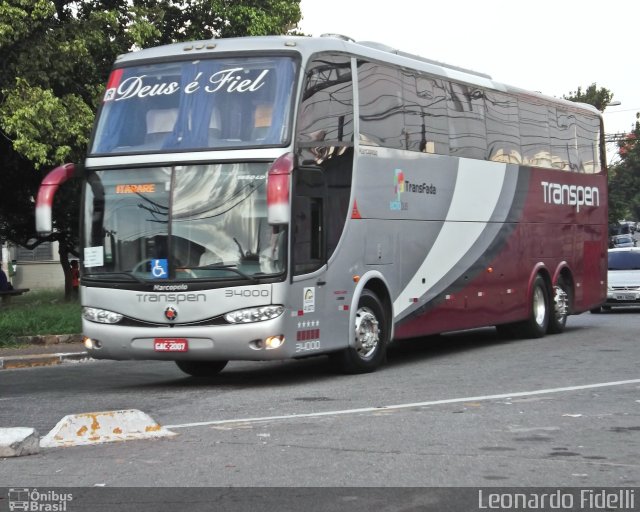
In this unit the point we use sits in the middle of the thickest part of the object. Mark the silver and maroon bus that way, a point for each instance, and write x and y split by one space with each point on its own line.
283 197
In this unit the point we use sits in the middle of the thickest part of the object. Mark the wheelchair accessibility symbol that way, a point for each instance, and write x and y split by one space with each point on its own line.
159 268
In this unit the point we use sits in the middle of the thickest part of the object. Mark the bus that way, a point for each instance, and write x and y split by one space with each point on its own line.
270 198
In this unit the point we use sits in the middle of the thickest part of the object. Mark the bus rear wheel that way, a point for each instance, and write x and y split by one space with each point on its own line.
371 337
561 306
202 368
538 322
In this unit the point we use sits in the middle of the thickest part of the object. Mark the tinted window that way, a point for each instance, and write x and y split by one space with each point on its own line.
467 132
534 133
563 140
326 113
624 260
425 114
503 133
588 129
381 106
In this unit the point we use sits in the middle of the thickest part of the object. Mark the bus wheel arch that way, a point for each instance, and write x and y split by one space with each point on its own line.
562 297
371 330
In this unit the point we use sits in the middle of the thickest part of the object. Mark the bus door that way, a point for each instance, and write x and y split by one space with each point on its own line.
308 256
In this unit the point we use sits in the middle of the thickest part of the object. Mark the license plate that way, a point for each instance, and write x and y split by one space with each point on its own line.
170 345
625 296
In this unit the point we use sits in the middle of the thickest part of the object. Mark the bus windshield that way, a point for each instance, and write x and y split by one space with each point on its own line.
196 105
192 222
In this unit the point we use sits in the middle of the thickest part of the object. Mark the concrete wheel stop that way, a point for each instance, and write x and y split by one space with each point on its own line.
82 429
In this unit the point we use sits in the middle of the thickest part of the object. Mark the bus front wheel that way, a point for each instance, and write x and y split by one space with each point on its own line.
202 368
371 331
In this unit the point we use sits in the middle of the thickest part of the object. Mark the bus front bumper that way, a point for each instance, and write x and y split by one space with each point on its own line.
250 342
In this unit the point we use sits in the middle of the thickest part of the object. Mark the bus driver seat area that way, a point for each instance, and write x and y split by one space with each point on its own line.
261 122
160 123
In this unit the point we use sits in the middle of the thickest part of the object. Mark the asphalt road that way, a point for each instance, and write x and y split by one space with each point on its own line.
467 409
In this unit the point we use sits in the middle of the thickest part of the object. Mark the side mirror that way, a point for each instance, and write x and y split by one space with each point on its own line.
47 192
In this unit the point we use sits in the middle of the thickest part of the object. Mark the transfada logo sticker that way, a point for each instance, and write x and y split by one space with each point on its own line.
309 301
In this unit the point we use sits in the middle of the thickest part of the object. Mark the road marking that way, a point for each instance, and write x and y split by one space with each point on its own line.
407 406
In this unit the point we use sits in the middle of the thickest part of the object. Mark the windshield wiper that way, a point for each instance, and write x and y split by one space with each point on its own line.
224 266
103 275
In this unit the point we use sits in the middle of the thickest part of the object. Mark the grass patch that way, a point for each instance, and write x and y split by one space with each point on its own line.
38 312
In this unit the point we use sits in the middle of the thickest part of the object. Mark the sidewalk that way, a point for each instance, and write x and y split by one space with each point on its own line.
43 351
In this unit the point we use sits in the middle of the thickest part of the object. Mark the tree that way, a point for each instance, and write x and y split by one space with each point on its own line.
599 98
624 177
55 56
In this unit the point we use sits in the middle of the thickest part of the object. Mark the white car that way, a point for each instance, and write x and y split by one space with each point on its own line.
623 287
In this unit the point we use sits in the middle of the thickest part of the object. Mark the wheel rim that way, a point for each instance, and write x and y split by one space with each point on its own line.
367 332
539 306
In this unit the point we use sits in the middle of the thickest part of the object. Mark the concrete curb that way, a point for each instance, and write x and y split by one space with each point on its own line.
50 339
18 441
83 429
30 361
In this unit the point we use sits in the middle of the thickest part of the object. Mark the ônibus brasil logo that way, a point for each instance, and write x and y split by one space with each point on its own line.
37 501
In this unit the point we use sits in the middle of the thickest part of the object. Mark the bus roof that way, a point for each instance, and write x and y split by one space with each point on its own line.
307 46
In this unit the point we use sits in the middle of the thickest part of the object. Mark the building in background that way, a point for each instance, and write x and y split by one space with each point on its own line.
36 269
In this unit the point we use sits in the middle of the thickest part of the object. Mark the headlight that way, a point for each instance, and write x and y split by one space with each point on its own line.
102 316
244 316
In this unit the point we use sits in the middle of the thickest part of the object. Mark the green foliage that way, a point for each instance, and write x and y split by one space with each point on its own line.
599 98
32 116
624 179
18 19
41 312
55 57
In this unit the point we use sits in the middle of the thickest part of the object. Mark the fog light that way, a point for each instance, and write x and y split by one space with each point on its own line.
274 342
91 344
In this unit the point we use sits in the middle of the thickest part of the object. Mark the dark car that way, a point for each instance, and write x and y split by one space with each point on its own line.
622 241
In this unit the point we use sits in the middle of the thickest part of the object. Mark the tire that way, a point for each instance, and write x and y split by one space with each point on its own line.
561 302
202 368
371 332
596 311
538 322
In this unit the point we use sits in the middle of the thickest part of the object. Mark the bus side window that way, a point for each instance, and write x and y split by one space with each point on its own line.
327 104
467 128
534 133
503 133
